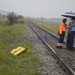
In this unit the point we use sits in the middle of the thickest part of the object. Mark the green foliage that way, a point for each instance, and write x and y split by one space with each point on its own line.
26 63
20 19
53 27
12 18
12 35
3 21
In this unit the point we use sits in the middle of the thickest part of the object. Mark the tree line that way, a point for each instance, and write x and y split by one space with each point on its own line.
13 18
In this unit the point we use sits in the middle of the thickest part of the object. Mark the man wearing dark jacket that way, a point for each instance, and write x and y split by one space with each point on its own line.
72 35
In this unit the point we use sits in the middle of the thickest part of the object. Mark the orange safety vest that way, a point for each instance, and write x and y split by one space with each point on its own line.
62 28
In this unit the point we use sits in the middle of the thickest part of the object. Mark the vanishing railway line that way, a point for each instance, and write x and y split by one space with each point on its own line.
66 58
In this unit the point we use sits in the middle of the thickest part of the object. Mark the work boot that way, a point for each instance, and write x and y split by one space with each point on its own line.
70 49
59 47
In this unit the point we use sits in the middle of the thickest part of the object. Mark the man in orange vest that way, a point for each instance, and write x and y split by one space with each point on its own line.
62 28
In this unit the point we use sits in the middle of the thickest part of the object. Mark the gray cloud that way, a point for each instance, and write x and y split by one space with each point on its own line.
38 8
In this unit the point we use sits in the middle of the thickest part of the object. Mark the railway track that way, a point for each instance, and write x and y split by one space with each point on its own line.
65 57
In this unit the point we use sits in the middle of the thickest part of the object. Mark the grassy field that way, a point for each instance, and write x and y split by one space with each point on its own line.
3 20
53 27
24 64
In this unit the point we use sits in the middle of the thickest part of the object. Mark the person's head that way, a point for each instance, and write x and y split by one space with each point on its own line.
64 20
72 20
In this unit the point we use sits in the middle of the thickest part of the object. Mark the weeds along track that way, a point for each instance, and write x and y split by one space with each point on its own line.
66 58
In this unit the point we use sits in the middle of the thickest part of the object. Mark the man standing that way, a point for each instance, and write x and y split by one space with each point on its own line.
69 32
62 28
72 35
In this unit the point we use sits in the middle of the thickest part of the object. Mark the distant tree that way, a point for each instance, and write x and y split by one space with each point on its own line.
20 17
12 18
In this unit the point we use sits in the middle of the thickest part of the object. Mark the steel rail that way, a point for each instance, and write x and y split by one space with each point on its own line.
65 67
54 35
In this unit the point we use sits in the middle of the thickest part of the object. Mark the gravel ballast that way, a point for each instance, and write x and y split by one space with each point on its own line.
50 65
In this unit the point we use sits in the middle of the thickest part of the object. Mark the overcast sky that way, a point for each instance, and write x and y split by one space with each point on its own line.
38 8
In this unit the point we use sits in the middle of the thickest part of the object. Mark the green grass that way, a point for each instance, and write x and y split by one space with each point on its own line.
24 64
3 20
53 27
12 35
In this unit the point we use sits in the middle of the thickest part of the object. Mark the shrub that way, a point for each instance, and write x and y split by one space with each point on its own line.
12 18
